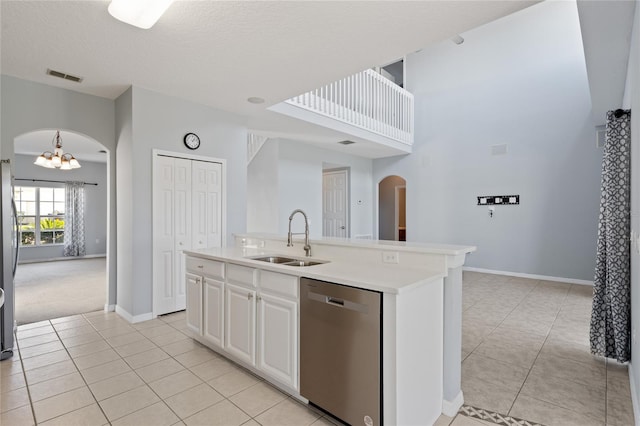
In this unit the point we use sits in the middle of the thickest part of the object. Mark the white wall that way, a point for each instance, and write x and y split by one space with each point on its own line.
519 81
160 122
262 190
28 106
95 205
299 186
632 101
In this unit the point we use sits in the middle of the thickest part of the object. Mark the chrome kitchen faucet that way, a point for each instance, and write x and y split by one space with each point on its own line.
307 246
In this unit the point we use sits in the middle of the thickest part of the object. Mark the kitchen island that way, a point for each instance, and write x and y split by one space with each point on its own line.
231 297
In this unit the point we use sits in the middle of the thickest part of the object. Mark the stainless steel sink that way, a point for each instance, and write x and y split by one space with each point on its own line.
274 259
303 263
287 261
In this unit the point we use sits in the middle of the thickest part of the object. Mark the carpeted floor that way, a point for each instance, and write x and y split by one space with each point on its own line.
57 289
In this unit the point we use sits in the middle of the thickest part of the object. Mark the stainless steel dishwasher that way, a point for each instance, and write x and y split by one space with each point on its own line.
340 350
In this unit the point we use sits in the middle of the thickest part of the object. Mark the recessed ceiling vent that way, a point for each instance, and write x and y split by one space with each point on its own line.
64 76
346 142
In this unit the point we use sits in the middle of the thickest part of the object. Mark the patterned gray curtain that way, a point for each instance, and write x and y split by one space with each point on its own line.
74 220
611 313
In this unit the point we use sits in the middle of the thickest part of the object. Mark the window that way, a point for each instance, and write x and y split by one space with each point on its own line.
40 215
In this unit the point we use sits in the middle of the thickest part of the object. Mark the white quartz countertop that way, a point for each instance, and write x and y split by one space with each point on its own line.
430 248
386 278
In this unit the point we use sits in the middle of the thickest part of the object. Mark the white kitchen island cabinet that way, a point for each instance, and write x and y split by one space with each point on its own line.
213 311
414 312
193 284
278 333
240 323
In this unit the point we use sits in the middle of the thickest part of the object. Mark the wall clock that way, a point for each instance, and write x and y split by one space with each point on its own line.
191 141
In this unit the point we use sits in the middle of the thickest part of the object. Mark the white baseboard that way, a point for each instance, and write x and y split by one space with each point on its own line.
59 259
451 408
109 308
634 395
133 319
532 276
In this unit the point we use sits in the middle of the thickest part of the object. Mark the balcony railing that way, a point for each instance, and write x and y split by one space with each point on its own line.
366 100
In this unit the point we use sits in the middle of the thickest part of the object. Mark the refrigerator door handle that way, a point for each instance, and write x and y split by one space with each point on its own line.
15 218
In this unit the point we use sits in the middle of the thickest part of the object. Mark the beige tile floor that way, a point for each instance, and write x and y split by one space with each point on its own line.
97 369
525 354
525 350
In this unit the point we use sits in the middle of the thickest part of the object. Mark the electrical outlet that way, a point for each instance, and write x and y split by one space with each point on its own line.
390 257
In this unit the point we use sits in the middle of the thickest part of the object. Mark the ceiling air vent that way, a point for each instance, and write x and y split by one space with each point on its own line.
64 76
346 142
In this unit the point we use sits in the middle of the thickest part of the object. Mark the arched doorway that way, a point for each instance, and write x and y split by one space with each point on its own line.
392 209
49 284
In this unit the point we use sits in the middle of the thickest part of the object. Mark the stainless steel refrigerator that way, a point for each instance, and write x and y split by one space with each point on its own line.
8 259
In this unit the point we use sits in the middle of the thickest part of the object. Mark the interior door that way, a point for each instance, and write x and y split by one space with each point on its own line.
163 236
207 204
335 203
182 225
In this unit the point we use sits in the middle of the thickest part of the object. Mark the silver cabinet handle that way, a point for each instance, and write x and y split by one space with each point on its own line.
343 227
249 296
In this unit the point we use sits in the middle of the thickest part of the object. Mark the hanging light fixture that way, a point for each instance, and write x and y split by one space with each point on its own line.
57 159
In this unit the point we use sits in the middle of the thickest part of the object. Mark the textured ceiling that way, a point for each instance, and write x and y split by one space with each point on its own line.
219 53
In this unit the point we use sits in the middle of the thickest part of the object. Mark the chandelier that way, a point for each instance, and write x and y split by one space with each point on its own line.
57 159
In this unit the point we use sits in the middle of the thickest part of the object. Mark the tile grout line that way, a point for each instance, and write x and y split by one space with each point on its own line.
538 355
24 375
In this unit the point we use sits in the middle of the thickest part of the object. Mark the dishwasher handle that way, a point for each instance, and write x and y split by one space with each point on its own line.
334 301
325 299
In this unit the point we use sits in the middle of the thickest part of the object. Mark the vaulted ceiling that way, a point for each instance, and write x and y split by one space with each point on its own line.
219 53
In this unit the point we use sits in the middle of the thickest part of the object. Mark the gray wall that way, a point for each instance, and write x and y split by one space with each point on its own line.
160 122
299 186
517 82
28 106
95 203
124 180
387 206
262 190
632 100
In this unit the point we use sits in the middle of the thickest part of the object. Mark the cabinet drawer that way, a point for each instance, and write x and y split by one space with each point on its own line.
199 266
274 282
241 275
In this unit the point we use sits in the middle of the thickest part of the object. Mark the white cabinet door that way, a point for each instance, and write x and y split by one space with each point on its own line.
278 338
207 204
240 318
194 302
164 259
213 328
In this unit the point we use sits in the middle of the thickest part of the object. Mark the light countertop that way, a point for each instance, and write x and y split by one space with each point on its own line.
429 248
386 278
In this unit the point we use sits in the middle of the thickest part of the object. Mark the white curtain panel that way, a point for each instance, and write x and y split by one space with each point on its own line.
74 220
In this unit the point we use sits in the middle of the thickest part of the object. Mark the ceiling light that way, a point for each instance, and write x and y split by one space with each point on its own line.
255 100
57 159
139 13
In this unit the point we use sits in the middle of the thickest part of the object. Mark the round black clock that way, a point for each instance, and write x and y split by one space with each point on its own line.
191 141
